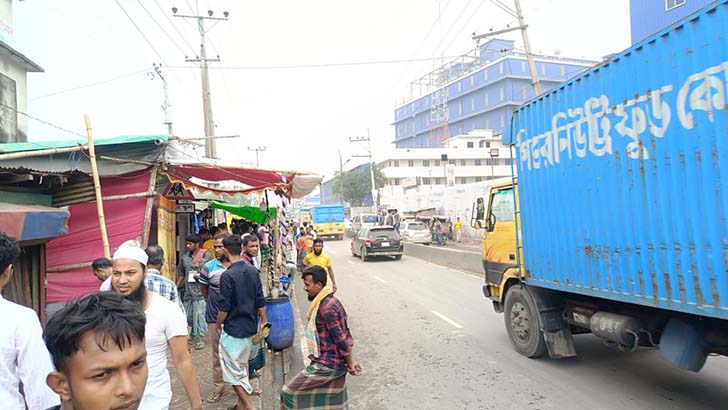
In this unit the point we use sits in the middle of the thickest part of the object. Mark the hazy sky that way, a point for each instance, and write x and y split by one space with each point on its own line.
302 115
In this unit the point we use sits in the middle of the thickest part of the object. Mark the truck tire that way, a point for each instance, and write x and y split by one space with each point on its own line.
522 323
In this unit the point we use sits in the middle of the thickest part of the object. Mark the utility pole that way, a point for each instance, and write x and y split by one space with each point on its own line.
166 106
368 140
257 151
210 149
341 179
518 13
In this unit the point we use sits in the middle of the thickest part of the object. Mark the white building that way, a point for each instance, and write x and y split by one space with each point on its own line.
475 157
448 179
14 69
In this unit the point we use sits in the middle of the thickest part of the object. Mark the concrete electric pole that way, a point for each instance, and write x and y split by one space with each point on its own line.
368 140
210 150
166 106
257 151
518 14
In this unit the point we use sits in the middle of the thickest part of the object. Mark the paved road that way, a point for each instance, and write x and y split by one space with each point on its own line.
427 339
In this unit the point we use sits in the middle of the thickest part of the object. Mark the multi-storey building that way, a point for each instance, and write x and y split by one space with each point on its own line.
474 92
650 16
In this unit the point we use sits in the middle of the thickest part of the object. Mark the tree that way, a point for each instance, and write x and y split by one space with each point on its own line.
356 185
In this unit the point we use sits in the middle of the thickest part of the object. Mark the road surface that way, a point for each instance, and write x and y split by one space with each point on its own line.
428 339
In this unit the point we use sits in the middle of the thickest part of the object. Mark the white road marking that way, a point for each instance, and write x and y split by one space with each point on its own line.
379 279
350 262
455 324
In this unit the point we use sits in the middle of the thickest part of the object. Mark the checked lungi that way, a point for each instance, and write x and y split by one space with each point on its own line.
317 387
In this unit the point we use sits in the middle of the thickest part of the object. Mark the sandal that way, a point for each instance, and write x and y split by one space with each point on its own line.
257 392
215 396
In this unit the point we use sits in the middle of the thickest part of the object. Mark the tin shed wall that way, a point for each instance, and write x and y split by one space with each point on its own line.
623 174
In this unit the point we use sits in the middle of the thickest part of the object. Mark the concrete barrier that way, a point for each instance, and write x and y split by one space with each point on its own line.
444 256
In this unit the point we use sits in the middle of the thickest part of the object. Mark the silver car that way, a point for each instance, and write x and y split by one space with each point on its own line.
415 232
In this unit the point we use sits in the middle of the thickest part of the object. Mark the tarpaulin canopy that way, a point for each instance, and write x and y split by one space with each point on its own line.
251 213
202 176
124 221
33 222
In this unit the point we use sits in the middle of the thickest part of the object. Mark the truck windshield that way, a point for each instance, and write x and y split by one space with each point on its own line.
502 206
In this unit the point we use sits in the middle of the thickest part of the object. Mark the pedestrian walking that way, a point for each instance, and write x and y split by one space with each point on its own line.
256 359
166 329
97 346
438 232
240 317
188 275
458 229
396 219
319 258
23 356
322 385
210 285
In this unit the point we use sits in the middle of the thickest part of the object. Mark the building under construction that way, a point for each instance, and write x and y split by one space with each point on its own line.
478 90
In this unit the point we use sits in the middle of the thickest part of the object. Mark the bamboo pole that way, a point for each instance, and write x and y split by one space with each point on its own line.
97 188
148 208
41 152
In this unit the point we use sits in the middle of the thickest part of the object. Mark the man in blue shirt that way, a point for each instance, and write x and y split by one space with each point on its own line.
241 303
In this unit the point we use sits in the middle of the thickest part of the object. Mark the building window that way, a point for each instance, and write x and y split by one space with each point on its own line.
410 163
487 144
437 162
523 92
472 104
425 162
439 181
460 87
472 80
523 66
671 4
462 162
500 68
396 181
396 162
451 162
478 162
485 74
470 145
481 144
507 161
502 93
460 108
486 99
425 181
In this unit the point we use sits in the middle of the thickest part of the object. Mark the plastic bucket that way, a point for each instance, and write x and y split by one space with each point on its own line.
280 316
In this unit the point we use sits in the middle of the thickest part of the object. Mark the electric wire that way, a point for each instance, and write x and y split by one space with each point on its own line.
92 84
43 121
321 65
184 39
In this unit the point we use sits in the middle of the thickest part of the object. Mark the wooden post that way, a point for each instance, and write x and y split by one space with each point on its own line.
148 209
97 187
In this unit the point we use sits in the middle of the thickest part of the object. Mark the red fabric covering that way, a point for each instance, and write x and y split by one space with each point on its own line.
124 221
256 179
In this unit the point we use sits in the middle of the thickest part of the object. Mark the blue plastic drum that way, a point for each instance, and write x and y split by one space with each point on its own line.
280 316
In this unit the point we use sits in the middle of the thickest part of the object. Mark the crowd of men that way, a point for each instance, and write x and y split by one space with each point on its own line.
109 350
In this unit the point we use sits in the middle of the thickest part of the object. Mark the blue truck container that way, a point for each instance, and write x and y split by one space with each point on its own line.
328 220
622 192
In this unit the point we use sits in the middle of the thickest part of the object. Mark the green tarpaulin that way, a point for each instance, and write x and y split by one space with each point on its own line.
251 213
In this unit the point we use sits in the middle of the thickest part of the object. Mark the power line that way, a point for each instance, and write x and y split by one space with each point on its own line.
43 121
161 28
322 65
141 32
184 39
464 25
93 84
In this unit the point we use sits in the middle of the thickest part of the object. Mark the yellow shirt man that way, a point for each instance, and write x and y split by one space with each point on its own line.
322 260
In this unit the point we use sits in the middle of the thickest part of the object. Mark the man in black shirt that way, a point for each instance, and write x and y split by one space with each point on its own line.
241 302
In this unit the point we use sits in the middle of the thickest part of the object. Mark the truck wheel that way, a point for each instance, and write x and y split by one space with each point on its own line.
364 254
522 323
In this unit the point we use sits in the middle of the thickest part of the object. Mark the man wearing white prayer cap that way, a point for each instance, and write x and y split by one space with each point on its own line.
166 327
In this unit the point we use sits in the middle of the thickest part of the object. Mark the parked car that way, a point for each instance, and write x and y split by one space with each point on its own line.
377 241
363 221
415 232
